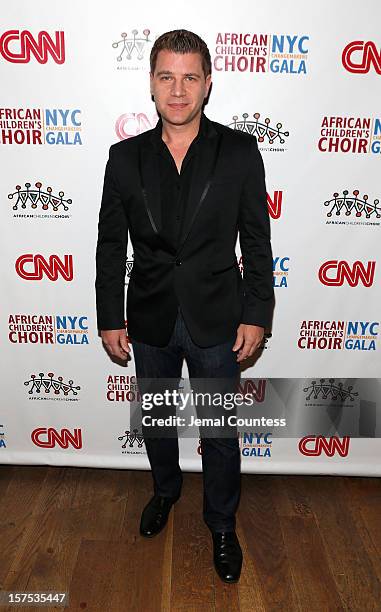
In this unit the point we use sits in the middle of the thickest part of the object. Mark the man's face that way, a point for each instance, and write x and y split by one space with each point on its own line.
179 86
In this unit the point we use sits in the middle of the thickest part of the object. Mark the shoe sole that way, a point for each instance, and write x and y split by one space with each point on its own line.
228 581
153 534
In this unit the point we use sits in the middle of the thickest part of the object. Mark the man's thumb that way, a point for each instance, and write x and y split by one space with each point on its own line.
123 342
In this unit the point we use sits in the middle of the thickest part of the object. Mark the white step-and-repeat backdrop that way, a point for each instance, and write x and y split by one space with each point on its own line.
306 82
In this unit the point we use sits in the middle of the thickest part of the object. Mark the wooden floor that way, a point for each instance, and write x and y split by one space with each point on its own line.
309 543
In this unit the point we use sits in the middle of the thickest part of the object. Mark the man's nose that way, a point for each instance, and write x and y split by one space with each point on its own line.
178 88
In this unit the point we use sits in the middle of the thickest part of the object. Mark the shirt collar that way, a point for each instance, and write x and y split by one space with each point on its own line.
205 130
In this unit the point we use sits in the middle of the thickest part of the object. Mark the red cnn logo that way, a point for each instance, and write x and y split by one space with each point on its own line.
313 446
132 124
48 437
40 48
343 271
250 388
274 205
367 55
40 266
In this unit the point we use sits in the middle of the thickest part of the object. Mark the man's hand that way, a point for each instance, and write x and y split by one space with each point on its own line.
249 338
116 343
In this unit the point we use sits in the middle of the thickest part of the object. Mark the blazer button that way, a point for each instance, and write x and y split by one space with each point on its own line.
178 262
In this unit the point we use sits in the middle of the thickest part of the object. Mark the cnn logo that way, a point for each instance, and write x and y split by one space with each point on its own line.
132 124
48 437
274 204
358 57
333 273
35 267
314 446
248 388
17 47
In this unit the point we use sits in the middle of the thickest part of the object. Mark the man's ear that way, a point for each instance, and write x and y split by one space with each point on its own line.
151 81
208 83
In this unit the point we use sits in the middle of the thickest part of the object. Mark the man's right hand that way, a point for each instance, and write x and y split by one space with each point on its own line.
116 343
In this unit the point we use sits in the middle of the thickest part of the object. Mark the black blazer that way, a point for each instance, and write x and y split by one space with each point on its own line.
227 195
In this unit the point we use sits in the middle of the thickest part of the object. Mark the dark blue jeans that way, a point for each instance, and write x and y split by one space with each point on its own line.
220 456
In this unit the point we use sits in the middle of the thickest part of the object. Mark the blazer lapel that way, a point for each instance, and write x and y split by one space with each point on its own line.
202 176
150 184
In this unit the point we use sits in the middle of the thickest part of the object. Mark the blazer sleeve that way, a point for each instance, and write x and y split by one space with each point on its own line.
111 253
254 238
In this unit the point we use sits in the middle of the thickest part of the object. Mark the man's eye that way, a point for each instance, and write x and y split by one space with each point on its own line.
165 78
190 78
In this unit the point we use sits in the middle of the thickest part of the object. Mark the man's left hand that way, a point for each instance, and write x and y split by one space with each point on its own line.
249 338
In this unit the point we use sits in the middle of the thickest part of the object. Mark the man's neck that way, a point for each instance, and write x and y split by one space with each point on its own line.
180 135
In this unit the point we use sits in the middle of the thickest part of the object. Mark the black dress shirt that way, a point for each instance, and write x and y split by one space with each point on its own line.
174 185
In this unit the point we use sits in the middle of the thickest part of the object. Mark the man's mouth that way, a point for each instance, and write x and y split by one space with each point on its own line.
177 105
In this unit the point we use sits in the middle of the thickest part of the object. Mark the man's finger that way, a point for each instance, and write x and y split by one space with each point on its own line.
254 347
238 341
120 354
251 345
244 353
116 351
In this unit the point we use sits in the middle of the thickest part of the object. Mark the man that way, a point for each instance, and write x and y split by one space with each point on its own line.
184 190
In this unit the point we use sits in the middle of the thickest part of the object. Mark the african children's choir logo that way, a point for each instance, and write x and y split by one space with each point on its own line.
253 52
133 442
38 126
350 135
48 329
122 389
39 202
338 335
265 132
51 387
132 49
325 392
352 209
129 266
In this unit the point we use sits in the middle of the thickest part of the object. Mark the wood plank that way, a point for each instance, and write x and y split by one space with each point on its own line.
314 584
350 564
264 538
192 563
249 586
167 567
6 475
119 575
17 519
363 497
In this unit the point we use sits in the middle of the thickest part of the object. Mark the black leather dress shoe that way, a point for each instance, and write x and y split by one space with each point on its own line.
227 556
155 515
